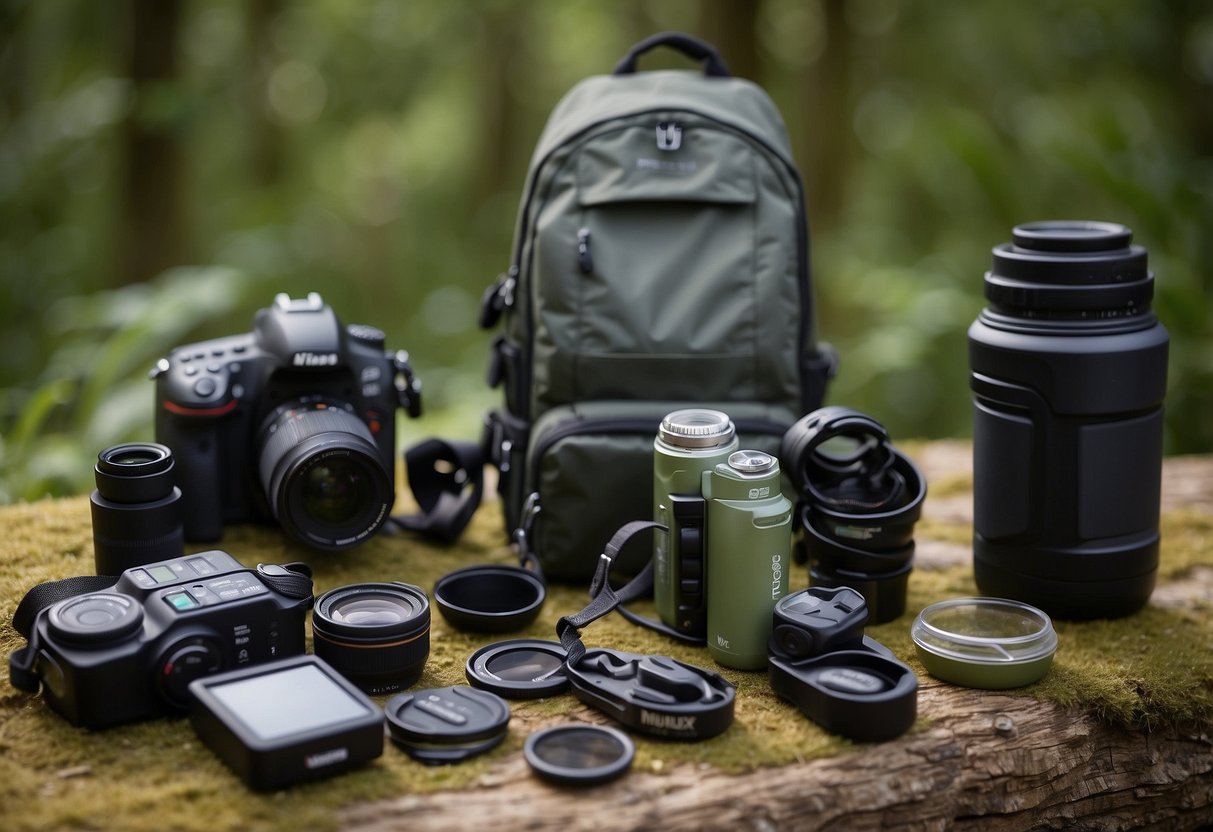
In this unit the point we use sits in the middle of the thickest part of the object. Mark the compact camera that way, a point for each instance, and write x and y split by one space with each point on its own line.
293 422
723 563
130 652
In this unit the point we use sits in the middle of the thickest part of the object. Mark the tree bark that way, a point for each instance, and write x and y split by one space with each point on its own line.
992 762
151 234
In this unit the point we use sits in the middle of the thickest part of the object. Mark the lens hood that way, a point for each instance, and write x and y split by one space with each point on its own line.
490 599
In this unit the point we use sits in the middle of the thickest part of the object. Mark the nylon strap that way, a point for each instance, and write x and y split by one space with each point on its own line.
447 481
605 597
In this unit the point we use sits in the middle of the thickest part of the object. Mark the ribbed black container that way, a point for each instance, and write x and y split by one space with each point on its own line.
1068 369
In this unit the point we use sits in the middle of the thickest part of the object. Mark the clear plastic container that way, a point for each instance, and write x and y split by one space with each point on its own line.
990 643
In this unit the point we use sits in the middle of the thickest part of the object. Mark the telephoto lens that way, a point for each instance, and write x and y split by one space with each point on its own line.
136 508
860 499
377 635
1068 366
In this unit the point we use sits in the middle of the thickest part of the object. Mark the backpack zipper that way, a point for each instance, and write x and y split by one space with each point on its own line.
584 260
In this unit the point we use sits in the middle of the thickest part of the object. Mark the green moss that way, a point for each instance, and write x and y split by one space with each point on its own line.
1151 669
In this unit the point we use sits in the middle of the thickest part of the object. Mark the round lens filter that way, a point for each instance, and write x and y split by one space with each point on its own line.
579 755
522 668
447 725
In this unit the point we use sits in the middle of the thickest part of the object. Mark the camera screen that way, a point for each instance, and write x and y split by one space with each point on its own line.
293 701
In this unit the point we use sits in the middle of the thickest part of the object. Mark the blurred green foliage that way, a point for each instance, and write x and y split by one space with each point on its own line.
374 151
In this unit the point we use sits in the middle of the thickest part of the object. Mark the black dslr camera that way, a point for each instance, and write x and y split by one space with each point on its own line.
294 422
129 652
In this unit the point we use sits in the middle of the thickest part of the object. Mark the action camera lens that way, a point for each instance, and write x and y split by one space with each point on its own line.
377 635
322 474
97 618
136 508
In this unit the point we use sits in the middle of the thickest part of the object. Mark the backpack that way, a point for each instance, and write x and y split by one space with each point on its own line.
661 261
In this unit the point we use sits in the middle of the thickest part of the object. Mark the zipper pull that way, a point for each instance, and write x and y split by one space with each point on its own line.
583 251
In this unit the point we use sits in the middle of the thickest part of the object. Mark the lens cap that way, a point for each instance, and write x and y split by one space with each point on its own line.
579 755
524 668
447 725
490 599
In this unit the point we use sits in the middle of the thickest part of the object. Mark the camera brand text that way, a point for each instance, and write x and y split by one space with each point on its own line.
315 359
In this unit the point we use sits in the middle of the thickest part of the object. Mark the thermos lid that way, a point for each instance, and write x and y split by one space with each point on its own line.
990 643
751 462
696 428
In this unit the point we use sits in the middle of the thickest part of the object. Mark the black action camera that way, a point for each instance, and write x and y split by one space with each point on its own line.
294 422
130 652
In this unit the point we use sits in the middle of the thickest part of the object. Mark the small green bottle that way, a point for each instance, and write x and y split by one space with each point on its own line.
749 546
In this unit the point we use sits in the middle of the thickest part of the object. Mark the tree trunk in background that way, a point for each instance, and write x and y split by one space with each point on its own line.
730 26
265 137
824 144
501 36
151 232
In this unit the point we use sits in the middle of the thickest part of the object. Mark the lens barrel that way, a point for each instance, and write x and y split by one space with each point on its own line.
377 635
1068 367
323 475
136 508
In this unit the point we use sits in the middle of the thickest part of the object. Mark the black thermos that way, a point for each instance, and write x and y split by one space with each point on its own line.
1068 366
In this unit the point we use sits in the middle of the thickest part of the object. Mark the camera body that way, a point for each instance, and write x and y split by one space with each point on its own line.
723 563
129 652
294 422
1068 367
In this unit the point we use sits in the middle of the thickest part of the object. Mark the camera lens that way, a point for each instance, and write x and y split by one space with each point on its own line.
377 635
323 475
97 618
136 508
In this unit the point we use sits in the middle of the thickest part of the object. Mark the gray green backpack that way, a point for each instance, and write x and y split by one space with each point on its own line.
661 261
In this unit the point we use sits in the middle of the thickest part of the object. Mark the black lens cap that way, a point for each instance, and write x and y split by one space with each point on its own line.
447 725
579 755
523 668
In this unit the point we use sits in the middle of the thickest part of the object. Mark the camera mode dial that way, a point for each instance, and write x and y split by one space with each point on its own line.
183 662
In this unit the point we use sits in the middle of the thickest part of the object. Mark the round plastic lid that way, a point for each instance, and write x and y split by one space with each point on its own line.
580 755
447 725
524 668
989 643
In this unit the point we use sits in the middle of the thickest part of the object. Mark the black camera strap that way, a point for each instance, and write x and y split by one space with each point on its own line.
21 662
605 598
655 695
447 481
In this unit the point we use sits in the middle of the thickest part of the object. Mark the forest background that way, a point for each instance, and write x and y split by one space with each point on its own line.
166 167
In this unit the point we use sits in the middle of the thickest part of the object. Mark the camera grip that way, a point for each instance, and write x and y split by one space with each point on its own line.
198 473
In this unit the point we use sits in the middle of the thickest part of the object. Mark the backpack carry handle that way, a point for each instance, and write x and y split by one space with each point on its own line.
692 47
